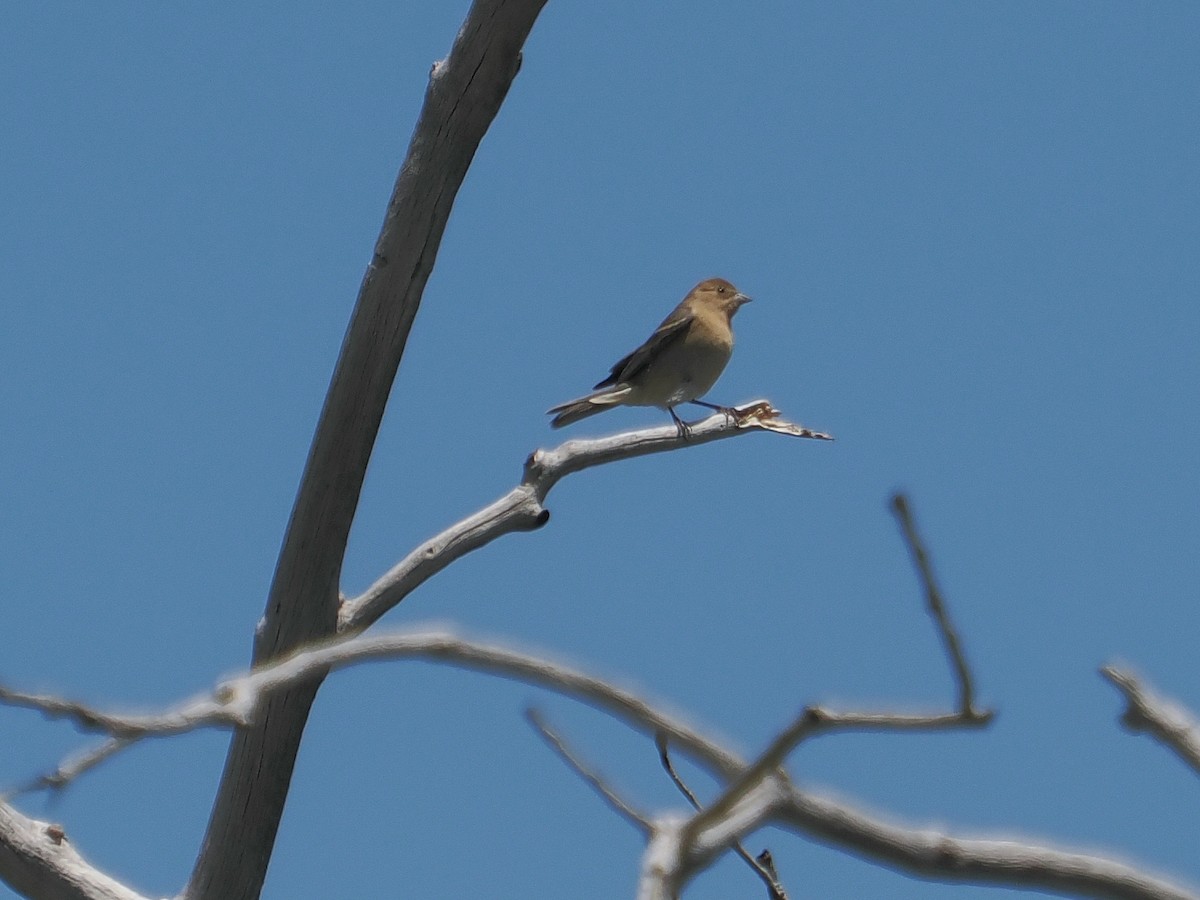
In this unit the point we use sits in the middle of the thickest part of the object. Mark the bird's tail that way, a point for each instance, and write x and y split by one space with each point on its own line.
574 410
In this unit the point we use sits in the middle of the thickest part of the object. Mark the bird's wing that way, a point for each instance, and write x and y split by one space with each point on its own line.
673 328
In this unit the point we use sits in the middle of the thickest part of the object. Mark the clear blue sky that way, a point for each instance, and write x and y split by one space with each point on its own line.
971 233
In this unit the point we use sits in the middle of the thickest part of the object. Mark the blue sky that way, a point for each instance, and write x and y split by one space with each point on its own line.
970 231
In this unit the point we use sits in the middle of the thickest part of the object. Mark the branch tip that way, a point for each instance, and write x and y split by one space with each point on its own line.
936 605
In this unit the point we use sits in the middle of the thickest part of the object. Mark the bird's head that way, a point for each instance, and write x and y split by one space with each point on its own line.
719 293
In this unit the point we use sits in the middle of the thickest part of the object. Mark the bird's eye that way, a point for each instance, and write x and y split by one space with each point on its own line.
720 290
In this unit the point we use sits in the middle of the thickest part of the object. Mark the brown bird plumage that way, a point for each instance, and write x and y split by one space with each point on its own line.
678 363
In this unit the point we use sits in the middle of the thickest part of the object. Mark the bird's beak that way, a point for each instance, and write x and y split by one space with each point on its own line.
740 299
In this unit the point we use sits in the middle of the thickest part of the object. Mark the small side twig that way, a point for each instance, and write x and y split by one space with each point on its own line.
664 756
774 889
942 855
594 779
761 864
67 771
1166 721
937 607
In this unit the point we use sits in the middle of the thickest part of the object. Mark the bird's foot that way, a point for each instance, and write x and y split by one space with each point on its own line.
730 413
682 429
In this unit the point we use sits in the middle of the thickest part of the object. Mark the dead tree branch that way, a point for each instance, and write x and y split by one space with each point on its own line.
1166 721
937 607
521 509
463 97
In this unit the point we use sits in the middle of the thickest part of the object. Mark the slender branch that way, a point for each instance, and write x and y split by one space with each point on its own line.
937 606
521 509
930 853
74 767
639 820
241 700
812 721
815 720
37 860
244 695
819 720
750 778
664 756
705 837
679 850
177 720
775 890
1166 721
55 707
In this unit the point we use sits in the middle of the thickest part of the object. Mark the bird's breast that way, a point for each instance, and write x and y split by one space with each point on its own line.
685 371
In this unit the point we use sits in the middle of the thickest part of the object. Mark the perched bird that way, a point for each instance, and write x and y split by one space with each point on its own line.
677 364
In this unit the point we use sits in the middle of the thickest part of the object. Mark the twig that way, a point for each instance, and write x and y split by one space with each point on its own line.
812 721
593 778
1165 720
764 870
937 607
446 647
72 768
819 720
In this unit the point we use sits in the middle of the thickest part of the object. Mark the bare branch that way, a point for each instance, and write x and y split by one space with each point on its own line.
775 890
815 720
37 860
246 693
55 707
716 834
521 509
241 700
930 853
812 721
662 862
130 726
818 720
464 94
72 768
749 779
937 606
664 756
678 851
922 852
1165 720
593 778
124 729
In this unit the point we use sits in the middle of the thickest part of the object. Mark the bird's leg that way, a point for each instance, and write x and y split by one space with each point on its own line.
680 425
721 409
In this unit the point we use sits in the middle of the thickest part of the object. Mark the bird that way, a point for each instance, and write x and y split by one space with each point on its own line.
677 364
